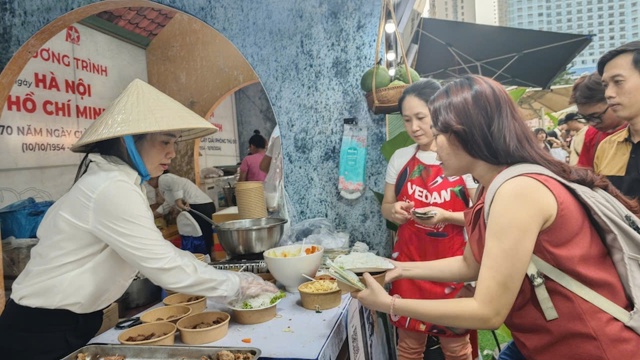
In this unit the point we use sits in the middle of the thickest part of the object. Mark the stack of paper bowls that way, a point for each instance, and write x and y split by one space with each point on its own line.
250 199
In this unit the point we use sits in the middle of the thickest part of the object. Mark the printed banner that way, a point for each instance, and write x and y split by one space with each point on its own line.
65 86
221 148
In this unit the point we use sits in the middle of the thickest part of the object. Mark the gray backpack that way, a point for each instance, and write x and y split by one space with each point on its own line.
618 230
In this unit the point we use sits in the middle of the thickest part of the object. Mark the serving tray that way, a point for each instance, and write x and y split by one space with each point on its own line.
139 352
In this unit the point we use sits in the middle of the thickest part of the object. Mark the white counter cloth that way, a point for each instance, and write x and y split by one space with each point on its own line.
96 237
295 333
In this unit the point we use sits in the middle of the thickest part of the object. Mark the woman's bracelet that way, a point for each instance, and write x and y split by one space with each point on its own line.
392 314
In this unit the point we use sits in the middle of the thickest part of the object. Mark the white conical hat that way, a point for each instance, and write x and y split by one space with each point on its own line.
142 109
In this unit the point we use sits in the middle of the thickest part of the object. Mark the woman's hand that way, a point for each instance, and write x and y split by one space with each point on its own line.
401 212
374 297
395 273
440 216
183 205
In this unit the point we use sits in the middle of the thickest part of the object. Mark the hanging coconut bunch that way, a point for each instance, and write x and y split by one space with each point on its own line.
382 87
383 90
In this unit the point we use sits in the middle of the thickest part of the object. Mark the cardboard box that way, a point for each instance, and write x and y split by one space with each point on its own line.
228 214
109 318
224 215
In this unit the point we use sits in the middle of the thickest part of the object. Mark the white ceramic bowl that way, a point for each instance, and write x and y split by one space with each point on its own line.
288 263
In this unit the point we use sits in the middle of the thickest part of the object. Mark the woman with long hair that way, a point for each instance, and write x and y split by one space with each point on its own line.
478 130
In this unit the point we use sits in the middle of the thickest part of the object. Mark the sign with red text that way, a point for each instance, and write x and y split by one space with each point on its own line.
63 88
221 148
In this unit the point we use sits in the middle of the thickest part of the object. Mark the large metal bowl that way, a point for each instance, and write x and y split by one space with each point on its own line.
249 236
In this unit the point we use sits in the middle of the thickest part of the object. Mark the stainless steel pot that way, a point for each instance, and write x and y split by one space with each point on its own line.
249 236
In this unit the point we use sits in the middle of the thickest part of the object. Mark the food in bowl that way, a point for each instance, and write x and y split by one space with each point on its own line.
157 333
195 302
378 276
361 262
257 309
320 295
204 327
171 313
319 286
257 302
289 264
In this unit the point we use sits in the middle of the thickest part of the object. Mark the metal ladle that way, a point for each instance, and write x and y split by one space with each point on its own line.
203 216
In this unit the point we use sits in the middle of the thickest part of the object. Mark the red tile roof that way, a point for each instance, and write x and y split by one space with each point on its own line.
144 21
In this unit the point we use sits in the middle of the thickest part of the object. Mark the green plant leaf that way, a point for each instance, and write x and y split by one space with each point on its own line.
517 93
395 125
399 141
553 118
390 225
504 331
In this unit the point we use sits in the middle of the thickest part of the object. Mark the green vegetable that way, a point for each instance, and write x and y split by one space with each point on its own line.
246 305
278 296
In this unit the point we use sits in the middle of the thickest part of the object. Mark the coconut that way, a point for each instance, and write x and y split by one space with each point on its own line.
401 74
382 78
397 83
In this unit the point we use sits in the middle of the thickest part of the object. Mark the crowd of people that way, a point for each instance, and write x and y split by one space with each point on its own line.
472 128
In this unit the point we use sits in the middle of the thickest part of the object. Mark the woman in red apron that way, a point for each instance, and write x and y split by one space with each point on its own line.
415 181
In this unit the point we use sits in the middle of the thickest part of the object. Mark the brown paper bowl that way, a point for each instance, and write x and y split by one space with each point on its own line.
319 300
206 335
196 306
146 329
163 313
254 316
379 277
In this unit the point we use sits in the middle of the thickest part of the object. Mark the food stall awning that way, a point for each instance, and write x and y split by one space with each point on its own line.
511 56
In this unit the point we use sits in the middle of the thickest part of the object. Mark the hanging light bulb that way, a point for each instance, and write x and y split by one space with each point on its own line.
391 55
392 71
390 26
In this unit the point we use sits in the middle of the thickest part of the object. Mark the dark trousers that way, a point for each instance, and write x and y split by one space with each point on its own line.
44 334
207 229
511 352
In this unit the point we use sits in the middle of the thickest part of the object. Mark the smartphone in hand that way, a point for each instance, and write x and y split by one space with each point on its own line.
424 215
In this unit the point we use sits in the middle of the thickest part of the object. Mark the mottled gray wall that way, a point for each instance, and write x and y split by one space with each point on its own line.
253 112
309 55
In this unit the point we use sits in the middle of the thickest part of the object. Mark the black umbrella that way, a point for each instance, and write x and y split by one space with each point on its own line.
511 56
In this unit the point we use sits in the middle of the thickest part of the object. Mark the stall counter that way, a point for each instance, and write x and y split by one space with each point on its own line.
295 333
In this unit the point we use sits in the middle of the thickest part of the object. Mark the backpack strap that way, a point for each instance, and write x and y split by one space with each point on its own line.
537 267
581 290
537 280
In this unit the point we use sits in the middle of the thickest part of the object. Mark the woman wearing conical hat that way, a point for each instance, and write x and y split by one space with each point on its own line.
98 236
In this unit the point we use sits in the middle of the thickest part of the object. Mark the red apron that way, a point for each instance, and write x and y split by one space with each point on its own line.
426 185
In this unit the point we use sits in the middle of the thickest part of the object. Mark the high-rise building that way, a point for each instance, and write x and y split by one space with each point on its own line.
612 23
458 10
491 12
